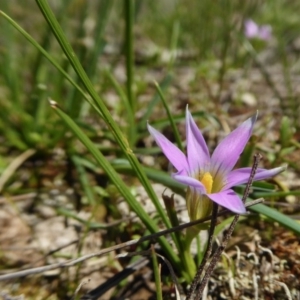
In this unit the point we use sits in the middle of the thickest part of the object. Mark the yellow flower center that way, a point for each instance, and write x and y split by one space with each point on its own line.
207 181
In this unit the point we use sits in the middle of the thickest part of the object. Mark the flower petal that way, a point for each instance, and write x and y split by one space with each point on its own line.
251 29
190 181
229 150
230 200
197 151
240 176
174 155
265 32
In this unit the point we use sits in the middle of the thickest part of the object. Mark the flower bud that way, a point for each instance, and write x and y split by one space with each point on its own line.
199 206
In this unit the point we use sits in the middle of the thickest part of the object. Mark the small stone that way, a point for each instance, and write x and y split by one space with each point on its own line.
249 99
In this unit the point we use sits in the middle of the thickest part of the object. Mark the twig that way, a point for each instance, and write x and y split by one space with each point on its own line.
75 261
218 253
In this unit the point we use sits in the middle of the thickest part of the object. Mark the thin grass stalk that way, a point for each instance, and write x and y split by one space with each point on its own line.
90 225
163 85
129 113
170 117
9 70
129 54
174 43
45 42
123 166
74 105
83 178
104 9
40 110
156 271
277 194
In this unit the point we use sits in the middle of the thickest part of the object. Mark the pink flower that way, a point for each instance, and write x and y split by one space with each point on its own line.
252 30
211 178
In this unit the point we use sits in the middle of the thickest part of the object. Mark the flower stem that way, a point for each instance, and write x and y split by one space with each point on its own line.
187 258
189 264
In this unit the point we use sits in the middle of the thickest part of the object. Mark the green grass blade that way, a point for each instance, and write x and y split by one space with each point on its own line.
174 128
164 84
129 20
123 166
91 225
276 194
174 43
156 270
277 216
104 10
83 178
130 115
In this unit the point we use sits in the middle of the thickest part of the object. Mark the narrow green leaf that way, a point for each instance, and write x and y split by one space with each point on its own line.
164 84
276 194
174 43
171 119
83 178
123 166
156 270
104 10
277 217
73 215
129 53
131 127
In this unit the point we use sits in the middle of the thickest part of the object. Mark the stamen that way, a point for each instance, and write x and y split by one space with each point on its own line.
207 181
